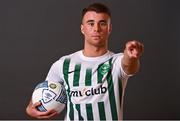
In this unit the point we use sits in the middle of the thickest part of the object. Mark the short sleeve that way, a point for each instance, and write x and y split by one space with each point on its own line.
55 73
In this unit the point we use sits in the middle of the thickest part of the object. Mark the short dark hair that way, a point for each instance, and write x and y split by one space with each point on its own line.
98 8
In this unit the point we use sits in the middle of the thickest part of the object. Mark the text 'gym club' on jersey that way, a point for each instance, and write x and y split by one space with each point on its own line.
94 85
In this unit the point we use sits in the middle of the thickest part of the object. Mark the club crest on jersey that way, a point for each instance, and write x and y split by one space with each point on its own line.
104 68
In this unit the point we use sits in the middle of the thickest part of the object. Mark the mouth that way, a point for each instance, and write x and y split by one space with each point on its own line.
96 36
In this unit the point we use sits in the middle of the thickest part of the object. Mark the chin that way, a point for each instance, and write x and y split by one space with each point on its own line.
99 44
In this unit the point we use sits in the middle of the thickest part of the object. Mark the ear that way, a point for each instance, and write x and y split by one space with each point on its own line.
110 28
82 29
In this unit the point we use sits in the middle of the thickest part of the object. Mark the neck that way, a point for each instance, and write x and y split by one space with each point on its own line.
94 51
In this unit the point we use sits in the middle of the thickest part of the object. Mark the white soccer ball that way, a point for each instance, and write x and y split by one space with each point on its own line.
52 95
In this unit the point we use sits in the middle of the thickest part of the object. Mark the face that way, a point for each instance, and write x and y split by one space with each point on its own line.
96 28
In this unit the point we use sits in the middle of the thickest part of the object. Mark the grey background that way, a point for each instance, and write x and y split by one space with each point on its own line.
35 33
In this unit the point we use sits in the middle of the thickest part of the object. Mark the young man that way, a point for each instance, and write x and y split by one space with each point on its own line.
97 75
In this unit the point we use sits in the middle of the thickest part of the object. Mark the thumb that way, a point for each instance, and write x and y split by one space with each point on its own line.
36 104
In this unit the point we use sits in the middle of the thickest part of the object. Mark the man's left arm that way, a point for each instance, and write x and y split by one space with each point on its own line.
132 53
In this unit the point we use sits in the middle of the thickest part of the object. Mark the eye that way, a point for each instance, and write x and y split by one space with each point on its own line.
91 23
103 23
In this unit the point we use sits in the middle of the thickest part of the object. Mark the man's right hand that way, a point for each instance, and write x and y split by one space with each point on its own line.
32 111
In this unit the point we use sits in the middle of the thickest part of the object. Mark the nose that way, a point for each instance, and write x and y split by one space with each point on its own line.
97 28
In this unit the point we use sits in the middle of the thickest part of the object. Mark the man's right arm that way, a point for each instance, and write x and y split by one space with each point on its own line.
32 111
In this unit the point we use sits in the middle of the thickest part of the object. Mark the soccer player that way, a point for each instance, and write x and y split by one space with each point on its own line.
94 77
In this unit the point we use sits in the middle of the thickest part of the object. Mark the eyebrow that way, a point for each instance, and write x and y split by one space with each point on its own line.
99 21
89 21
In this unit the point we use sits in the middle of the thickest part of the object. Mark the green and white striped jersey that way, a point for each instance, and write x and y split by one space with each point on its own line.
94 85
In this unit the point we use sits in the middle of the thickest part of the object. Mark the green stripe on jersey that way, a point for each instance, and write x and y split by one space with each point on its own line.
89 112
120 93
65 69
111 95
65 72
102 114
79 111
76 74
88 77
99 74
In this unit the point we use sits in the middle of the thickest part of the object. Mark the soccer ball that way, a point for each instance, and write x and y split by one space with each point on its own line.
52 95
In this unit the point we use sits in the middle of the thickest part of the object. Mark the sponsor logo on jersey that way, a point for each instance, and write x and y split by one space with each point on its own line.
89 92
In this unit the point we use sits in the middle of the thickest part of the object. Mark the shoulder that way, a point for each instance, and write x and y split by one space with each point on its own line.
67 57
117 56
116 59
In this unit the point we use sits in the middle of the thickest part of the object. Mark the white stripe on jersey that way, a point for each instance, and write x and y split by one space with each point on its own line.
95 111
